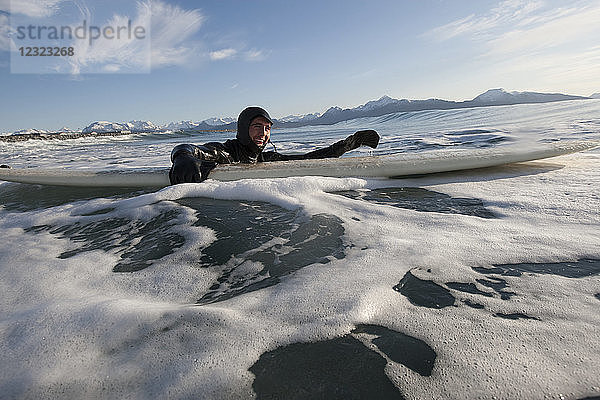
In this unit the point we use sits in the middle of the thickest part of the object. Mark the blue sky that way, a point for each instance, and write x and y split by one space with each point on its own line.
213 58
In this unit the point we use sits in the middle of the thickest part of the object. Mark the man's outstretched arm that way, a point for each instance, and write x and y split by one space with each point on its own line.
361 138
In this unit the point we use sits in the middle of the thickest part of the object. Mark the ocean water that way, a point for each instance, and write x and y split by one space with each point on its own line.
476 284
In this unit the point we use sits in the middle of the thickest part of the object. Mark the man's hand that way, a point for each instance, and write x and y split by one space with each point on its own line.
362 138
188 169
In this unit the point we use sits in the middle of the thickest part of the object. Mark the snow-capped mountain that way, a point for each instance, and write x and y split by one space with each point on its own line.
494 96
374 104
31 132
219 121
181 126
148 126
334 112
299 118
142 126
65 129
39 132
206 125
104 126
595 96
501 96
131 126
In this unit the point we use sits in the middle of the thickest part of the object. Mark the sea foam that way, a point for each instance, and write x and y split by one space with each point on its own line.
73 327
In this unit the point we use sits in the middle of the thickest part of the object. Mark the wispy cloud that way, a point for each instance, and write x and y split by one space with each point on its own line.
255 55
230 53
4 33
523 25
573 25
577 71
223 54
169 27
172 29
532 43
507 13
31 8
170 40
114 55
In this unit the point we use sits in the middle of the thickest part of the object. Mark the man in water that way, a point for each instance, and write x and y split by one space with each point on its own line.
193 163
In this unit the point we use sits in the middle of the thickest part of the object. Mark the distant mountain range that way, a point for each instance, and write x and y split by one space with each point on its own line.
388 105
382 106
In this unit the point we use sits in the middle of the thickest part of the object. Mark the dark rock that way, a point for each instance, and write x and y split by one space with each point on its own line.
424 293
423 200
474 305
576 269
411 352
341 368
515 316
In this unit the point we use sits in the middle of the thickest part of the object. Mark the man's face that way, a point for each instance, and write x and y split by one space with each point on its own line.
260 131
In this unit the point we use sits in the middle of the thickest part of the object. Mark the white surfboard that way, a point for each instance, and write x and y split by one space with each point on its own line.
396 165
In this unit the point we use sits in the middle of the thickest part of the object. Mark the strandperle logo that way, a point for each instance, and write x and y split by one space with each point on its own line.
81 32
74 41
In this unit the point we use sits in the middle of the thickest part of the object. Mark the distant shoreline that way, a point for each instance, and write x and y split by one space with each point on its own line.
79 135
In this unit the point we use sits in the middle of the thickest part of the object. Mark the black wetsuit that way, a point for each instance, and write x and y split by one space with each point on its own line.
192 163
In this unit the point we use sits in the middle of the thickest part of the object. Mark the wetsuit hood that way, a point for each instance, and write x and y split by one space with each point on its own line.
243 127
